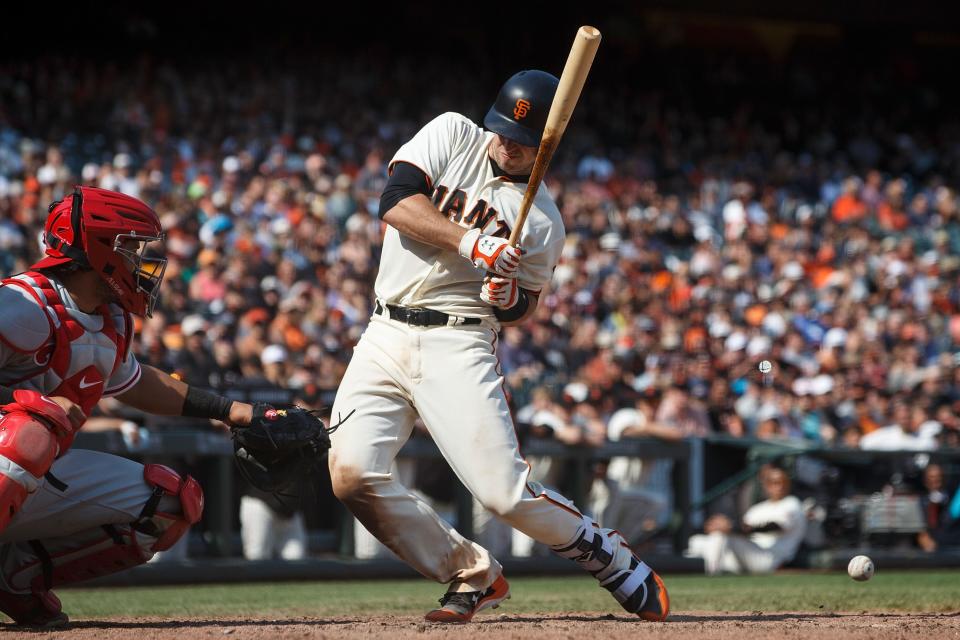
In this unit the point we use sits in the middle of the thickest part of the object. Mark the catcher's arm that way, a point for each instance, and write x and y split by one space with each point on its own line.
164 395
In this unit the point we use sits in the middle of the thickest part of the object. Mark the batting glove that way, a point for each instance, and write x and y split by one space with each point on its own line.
490 253
500 292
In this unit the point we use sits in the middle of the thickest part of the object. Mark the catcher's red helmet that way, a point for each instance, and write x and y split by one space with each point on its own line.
108 232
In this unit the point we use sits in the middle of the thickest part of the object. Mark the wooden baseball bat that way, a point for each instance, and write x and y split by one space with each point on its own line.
568 92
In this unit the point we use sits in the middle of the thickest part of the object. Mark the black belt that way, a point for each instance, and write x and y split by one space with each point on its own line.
423 317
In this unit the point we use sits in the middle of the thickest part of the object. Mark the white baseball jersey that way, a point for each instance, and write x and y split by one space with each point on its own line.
788 513
452 152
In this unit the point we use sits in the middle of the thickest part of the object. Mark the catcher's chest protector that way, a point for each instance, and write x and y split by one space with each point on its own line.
75 363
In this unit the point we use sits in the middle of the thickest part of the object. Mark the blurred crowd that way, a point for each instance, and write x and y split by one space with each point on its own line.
783 268
715 243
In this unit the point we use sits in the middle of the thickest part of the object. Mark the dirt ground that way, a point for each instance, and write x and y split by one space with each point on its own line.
690 625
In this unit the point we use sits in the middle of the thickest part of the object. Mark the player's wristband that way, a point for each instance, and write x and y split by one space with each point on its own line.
468 242
516 311
203 404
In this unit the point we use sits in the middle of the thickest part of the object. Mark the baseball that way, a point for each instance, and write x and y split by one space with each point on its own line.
765 367
860 568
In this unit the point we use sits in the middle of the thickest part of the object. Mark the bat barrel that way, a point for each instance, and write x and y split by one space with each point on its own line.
568 93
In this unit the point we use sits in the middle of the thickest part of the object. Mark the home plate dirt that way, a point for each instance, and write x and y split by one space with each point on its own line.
687 625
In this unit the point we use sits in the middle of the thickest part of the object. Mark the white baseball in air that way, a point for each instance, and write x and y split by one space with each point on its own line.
765 367
860 568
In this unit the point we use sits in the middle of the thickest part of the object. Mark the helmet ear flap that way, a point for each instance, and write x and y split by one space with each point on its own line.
70 246
76 216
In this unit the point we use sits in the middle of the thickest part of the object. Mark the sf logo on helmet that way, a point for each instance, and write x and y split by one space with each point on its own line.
521 109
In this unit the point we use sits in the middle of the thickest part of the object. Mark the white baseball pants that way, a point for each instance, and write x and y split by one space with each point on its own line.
450 376
101 489
731 553
266 534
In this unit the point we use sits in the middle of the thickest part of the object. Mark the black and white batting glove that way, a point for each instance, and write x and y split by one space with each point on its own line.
500 292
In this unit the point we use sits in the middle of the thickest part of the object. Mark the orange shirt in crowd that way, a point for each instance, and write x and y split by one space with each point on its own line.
848 208
890 218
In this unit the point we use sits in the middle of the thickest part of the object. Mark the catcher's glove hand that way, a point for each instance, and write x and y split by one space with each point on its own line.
281 446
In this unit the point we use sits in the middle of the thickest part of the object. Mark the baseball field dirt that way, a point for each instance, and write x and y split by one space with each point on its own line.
691 625
894 605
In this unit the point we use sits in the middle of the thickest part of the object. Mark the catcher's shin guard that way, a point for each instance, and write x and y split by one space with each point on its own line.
30 428
167 528
113 548
116 548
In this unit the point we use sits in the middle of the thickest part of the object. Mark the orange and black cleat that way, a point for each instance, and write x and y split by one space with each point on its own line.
656 607
639 590
458 608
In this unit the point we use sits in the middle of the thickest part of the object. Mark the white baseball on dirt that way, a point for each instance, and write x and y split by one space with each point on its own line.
860 568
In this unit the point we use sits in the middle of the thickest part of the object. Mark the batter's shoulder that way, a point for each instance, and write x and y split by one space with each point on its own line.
24 325
545 203
456 125
454 119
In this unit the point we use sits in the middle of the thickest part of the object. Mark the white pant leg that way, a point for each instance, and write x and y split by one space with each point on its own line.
377 386
712 547
722 552
458 391
256 528
521 545
291 540
750 556
494 535
366 545
101 489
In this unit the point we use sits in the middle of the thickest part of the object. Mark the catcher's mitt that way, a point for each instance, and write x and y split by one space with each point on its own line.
281 446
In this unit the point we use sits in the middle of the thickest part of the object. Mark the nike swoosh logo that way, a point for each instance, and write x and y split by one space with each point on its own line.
86 385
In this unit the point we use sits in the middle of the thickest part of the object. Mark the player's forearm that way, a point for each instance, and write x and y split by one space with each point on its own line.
163 395
417 218
664 431
156 393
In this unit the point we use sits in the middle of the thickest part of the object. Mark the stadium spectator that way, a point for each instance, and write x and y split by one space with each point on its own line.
823 238
941 515
768 535
271 527
640 500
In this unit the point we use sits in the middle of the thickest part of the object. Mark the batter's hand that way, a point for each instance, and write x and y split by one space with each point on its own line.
490 253
500 292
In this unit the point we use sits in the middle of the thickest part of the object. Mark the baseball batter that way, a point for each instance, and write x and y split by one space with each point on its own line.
448 281
66 329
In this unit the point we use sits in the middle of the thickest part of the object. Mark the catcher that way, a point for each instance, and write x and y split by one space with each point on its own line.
66 329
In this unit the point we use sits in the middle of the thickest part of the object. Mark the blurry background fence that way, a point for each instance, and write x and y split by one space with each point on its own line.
859 496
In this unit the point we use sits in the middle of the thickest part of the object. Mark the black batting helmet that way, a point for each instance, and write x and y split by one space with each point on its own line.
520 112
